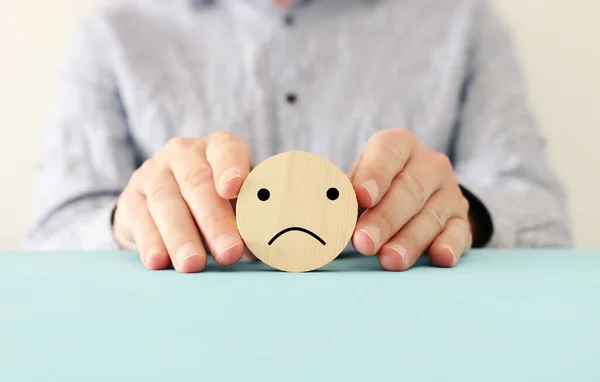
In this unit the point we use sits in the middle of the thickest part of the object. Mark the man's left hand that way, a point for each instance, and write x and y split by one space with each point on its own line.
413 203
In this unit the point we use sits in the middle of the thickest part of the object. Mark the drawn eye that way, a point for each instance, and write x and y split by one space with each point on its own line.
333 193
263 194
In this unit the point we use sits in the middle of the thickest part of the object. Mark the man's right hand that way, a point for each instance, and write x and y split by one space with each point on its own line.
182 196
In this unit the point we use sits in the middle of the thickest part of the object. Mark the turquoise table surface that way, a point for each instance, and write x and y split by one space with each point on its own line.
498 316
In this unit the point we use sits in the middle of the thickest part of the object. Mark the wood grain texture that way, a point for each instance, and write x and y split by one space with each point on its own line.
290 214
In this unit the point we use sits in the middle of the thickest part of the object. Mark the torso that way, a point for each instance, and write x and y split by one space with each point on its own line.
354 67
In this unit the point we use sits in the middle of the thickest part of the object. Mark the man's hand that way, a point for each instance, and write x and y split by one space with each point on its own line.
413 203
181 196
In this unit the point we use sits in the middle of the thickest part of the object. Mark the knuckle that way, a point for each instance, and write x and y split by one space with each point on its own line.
391 136
156 191
133 191
145 237
388 219
137 176
415 188
223 136
410 241
400 132
392 147
148 166
455 237
459 233
382 136
437 214
140 176
211 224
378 173
464 225
441 161
160 190
201 173
402 135
178 144
226 145
398 152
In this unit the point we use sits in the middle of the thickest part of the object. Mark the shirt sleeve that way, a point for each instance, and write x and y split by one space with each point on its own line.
87 155
499 153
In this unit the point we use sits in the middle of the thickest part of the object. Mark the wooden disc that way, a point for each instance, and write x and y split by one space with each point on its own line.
296 211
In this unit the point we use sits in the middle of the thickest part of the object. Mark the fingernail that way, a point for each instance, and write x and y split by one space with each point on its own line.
402 252
228 176
372 189
374 233
454 258
185 252
224 243
153 253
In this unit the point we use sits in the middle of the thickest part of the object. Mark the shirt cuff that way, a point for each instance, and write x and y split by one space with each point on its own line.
493 228
87 227
98 235
93 231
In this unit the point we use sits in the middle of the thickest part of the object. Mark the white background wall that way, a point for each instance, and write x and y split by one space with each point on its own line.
559 42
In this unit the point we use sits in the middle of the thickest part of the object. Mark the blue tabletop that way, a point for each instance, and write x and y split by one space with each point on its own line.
498 316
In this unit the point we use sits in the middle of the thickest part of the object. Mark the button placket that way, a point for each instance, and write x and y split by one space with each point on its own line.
291 97
290 118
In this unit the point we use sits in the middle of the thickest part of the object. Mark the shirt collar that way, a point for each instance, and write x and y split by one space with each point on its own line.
267 6
203 4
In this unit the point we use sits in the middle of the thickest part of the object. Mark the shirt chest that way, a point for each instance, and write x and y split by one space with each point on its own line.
318 82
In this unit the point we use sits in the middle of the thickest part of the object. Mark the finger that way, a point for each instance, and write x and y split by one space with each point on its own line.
406 197
231 160
213 214
355 166
175 223
248 255
407 246
451 244
384 156
153 253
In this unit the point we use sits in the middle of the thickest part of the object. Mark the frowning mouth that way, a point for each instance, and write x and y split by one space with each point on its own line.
297 229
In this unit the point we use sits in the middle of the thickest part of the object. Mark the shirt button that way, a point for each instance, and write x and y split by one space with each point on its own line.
291 98
289 20
199 4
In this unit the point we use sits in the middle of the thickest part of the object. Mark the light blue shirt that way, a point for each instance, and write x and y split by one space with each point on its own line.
322 76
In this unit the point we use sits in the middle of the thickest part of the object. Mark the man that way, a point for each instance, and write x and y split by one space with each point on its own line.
165 106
